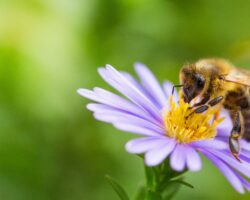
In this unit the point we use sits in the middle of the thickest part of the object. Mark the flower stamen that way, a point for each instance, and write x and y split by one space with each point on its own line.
186 126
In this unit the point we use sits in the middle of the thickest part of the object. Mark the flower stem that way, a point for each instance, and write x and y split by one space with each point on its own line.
162 182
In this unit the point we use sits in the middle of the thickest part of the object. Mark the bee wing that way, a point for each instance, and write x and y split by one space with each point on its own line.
237 76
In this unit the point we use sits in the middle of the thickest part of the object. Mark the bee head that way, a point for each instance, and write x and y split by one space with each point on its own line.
193 82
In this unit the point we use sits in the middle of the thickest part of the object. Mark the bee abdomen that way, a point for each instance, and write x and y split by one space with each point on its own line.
237 100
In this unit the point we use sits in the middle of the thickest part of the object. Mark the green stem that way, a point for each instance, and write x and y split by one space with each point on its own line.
162 182
152 184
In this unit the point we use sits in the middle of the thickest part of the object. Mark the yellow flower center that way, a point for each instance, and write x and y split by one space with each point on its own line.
186 126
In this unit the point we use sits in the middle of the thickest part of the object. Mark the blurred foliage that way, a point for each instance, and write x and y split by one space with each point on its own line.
50 146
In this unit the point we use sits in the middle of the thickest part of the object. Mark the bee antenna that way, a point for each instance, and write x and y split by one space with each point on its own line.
176 86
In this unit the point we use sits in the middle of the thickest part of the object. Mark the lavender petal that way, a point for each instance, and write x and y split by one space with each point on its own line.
157 155
141 88
243 167
211 144
135 129
245 183
245 145
115 101
142 145
178 158
117 116
225 127
151 84
120 83
226 170
193 159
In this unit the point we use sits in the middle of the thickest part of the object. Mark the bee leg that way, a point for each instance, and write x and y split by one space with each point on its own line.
201 109
215 101
235 135
211 103
203 101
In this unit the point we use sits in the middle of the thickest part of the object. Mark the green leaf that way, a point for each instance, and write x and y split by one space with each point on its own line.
169 188
141 193
183 183
170 191
151 195
179 175
117 187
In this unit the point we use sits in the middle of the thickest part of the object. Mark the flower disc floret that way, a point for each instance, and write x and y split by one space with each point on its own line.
186 126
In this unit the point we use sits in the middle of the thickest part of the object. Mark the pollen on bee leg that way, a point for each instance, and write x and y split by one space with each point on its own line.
185 125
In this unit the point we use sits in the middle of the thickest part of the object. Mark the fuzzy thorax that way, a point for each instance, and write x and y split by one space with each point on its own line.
185 126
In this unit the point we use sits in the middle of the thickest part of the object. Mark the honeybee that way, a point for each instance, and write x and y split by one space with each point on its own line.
219 83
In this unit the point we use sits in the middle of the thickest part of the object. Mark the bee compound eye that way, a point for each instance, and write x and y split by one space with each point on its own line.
200 81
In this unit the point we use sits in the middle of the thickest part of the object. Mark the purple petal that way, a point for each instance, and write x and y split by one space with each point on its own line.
142 145
110 115
245 145
245 152
167 86
244 156
227 171
178 158
193 159
119 102
211 143
115 101
88 94
243 167
135 129
134 82
125 121
141 88
137 123
125 87
245 183
151 84
225 127
159 154
102 96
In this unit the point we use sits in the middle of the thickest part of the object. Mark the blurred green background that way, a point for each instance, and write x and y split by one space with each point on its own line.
50 145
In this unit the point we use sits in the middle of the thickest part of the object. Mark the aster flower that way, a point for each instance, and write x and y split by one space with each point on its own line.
167 126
